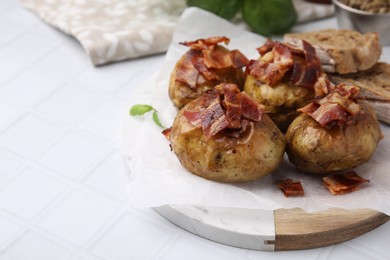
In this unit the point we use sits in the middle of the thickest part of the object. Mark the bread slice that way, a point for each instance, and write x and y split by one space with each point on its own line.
374 86
341 51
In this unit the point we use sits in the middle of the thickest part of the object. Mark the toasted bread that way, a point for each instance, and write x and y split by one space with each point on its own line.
374 87
341 51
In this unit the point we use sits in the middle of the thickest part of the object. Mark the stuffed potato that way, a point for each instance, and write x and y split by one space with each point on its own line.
280 101
284 79
333 133
224 136
204 66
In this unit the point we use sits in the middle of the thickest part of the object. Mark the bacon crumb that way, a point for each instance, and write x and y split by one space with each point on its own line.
290 187
167 133
341 183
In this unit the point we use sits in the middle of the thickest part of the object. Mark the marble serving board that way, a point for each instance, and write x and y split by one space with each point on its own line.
256 229
283 229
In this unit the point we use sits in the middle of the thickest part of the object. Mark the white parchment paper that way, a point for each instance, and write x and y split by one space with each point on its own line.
158 178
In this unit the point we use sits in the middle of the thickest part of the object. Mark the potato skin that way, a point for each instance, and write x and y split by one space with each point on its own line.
280 101
181 94
314 149
258 152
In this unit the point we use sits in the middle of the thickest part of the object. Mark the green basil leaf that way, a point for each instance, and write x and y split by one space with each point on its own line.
140 109
157 120
269 17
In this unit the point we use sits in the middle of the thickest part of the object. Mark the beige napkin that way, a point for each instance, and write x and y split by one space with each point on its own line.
114 30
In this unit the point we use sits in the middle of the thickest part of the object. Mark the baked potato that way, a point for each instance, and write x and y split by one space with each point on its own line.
315 147
280 101
204 66
234 153
284 79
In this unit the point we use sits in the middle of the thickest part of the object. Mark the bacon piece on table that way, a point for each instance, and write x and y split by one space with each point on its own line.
341 183
290 187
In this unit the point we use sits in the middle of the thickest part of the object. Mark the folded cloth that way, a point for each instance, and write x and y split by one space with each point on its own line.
114 30
310 11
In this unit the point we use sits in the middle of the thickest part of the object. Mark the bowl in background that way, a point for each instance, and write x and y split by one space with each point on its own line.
363 22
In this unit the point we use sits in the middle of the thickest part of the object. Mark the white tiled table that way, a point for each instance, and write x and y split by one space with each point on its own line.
62 175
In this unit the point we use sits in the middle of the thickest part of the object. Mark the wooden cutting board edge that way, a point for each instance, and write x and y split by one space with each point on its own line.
296 229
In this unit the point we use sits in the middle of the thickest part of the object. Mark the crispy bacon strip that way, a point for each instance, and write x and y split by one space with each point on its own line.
337 106
256 68
273 65
204 58
224 109
206 100
329 112
266 47
336 98
298 71
167 133
251 110
186 71
290 187
217 59
322 85
213 119
220 59
313 66
236 133
298 65
204 44
232 102
200 65
194 117
237 59
341 183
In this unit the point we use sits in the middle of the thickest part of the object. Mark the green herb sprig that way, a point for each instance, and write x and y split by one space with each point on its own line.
141 109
